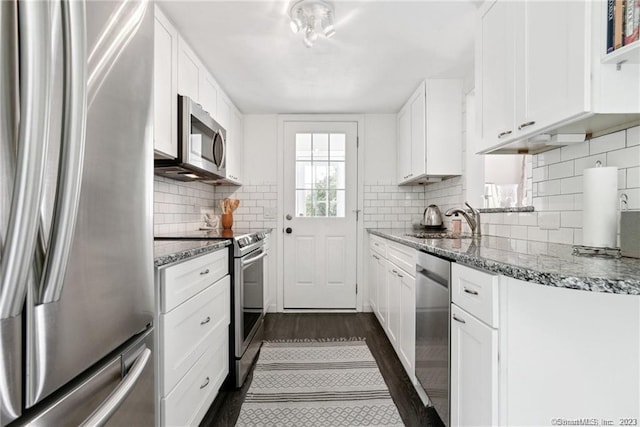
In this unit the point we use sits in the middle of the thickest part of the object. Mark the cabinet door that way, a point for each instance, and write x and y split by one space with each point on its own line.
235 142
165 86
551 60
188 72
372 279
408 323
382 310
404 145
208 94
496 74
474 371
418 127
224 112
393 324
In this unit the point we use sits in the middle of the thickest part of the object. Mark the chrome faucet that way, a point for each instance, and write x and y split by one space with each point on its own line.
474 223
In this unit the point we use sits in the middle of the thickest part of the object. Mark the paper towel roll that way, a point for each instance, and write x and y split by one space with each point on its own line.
599 208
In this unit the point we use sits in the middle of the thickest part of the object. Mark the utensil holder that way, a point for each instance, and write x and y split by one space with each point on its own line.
227 221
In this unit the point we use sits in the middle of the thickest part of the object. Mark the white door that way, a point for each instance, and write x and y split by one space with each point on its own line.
320 202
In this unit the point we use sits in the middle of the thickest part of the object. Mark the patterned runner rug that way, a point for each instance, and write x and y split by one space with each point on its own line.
318 383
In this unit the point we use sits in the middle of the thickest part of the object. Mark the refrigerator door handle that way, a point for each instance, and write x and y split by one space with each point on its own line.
72 150
101 415
35 107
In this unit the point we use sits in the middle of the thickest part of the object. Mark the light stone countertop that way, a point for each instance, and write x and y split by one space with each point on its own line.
167 252
549 264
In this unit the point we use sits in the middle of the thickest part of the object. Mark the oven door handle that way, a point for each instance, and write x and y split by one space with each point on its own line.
252 260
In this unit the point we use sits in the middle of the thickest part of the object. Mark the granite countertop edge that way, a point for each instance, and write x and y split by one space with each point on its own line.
593 284
182 255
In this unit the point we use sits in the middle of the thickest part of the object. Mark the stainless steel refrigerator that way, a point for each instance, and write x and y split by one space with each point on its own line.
76 185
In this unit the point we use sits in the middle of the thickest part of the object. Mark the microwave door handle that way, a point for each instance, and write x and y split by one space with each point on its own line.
223 161
72 154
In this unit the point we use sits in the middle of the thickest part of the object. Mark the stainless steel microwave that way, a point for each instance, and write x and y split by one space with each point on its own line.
201 146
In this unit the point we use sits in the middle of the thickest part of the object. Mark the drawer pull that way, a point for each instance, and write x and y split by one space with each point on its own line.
503 134
469 291
527 124
202 273
205 321
206 383
395 272
458 320
376 257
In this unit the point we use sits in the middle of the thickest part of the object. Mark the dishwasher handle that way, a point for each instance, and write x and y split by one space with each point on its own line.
431 276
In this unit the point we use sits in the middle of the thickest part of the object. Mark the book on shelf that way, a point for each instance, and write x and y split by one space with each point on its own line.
618 24
631 21
610 15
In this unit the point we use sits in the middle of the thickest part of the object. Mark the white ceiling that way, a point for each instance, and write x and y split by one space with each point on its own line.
380 53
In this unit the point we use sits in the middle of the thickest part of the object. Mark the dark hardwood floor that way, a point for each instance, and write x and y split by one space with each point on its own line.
224 411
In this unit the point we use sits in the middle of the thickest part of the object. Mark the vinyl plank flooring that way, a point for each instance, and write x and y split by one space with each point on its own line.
225 409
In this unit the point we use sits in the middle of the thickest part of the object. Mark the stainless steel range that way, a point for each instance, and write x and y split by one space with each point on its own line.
247 296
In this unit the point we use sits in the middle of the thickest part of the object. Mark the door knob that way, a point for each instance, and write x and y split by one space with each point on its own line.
289 217
288 230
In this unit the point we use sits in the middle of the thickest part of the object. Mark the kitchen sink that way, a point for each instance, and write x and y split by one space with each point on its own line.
439 235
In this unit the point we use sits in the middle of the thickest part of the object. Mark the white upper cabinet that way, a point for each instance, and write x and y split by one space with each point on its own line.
179 71
209 94
188 72
165 84
235 147
539 73
430 132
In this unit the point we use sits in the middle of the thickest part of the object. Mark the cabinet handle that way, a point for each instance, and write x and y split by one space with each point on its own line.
469 291
524 125
202 273
503 134
395 272
205 321
399 275
458 320
376 257
206 383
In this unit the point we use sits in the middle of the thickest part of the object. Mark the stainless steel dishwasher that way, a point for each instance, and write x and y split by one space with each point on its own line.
432 330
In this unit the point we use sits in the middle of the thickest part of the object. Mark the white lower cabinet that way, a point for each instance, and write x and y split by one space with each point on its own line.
474 371
553 354
393 297
193 308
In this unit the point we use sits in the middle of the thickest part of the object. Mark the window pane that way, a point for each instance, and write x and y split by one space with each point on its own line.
338 146
304 175
304 203
303 146
336 175
320 146
321 209
321 172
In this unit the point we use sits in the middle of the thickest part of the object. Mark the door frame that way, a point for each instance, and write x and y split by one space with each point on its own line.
353 118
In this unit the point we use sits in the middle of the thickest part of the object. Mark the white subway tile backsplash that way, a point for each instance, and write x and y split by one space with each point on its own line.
528 218
574 151
589 162
571 185
561 170
633 136
613 141
549 188
571 219
537 234
549 157
549 220
633 177
626 158
540 174
518 232
563 235
561 203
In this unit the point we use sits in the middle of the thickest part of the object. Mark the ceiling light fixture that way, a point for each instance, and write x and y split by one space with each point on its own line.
308 15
